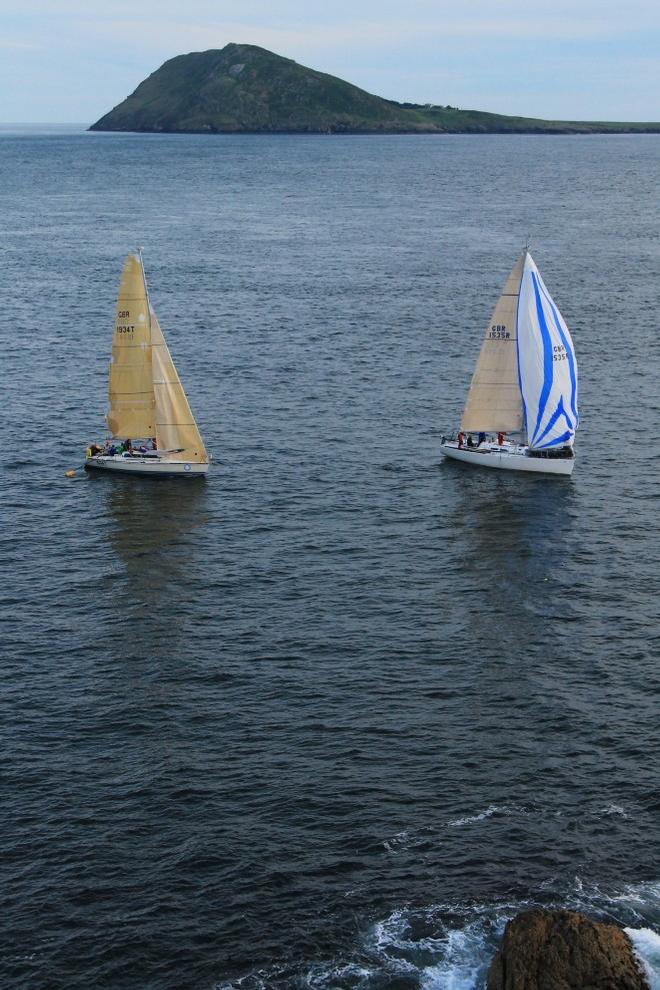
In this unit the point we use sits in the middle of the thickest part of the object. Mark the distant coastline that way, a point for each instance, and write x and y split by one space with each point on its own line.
42 127
243 89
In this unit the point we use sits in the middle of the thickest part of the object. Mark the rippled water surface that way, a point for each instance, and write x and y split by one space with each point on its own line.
329 718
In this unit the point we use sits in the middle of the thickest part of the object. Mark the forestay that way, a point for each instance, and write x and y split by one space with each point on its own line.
494 402
547 365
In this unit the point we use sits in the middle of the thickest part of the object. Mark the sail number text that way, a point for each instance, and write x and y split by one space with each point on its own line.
559 353
498 332
124 314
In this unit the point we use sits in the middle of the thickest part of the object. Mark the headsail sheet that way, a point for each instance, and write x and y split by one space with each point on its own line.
176 429
548 369
494 402
130 388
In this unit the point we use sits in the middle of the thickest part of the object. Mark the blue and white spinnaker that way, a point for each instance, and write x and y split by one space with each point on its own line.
546 365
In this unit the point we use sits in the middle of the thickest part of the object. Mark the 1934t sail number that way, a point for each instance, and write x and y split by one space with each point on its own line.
124 314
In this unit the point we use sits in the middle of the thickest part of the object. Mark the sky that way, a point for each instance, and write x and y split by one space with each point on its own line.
73 60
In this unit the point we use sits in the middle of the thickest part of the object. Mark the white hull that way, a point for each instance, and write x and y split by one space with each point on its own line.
155 466
508 458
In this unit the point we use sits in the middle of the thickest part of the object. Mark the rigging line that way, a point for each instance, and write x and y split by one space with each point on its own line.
146 290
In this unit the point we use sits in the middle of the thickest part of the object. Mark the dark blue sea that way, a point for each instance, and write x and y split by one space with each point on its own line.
329 718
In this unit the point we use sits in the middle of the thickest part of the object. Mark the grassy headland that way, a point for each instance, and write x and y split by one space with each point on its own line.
245 89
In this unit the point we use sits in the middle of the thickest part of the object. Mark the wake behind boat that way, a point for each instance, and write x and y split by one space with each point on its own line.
522 402
153 430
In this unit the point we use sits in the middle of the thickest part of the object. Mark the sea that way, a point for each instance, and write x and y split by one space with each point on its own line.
327 719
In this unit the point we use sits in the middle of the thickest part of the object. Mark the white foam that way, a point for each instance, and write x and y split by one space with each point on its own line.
393 932
646 944
492 809
613 809
407 840
467 955
448 959
397 842
320 978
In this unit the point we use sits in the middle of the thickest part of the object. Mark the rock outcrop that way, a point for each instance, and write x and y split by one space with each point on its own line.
564 950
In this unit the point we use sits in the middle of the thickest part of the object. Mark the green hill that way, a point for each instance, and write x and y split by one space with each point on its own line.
242 88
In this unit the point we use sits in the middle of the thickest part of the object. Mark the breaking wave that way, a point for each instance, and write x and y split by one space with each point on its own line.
450 946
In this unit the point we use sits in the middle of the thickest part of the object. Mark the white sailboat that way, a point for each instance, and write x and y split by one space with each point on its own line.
522 402
152 428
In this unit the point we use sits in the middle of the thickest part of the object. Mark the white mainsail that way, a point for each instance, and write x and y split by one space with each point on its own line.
494 402
546 364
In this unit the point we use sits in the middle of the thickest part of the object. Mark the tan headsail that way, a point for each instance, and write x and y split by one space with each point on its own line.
130 388
494 401
176 429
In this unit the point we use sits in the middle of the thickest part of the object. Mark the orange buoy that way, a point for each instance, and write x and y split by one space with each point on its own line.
69 474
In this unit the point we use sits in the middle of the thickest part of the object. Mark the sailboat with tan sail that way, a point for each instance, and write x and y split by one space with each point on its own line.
152 428
521 411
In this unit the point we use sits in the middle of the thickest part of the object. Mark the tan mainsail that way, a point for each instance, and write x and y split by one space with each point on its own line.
494 402
130 388
176 429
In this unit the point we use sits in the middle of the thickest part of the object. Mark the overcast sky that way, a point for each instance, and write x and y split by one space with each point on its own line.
73 60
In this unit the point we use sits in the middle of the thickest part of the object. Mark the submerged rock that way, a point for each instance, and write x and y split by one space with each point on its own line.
564 950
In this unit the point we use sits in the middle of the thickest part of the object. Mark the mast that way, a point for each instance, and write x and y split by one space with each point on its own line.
524 438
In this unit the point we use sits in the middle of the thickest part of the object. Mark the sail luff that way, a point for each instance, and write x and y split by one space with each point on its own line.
176 430
130 383
494 400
